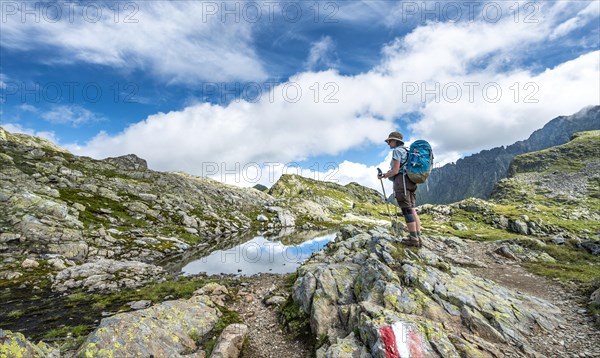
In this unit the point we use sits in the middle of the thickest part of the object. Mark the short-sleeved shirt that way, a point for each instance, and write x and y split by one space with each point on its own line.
400 154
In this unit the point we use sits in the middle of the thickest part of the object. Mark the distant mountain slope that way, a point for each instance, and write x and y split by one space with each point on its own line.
475 175
567 175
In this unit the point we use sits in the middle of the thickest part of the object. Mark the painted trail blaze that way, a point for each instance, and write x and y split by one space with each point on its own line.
401 340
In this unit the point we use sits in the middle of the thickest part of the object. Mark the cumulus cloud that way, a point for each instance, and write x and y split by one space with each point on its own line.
141 35
454 74
72 115
321 54
589 13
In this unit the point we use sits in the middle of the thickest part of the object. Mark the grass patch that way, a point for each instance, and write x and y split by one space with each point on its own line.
294 320
581 274
15 314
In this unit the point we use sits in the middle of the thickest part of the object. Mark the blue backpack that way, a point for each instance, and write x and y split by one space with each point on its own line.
419 163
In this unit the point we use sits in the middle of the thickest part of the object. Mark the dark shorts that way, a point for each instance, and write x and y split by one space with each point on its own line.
408 198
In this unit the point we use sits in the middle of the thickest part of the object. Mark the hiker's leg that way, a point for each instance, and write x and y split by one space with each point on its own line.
410 219
417 220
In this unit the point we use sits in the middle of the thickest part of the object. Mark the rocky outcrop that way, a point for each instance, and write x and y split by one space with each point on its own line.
169 329
128 162
476 175
106 275
371 284
16 345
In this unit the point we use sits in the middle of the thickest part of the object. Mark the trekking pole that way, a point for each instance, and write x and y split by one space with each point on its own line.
387 205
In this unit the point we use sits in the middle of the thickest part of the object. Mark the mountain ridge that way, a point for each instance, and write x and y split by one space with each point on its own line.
475 175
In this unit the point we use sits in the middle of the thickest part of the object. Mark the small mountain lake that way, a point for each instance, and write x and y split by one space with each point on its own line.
261 254
43 314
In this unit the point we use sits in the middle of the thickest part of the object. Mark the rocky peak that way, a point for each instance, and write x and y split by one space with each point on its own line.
128 162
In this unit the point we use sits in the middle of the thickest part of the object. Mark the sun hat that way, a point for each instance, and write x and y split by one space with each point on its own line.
395 136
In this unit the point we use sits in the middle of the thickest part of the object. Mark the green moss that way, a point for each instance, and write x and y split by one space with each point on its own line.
294 320
16 314
74 331
582 274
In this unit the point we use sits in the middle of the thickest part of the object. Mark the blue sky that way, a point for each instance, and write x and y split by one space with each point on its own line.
197 85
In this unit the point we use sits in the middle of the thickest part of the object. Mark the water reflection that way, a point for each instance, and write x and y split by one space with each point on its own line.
256 256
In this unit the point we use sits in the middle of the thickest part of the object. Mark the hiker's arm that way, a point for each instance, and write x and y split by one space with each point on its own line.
395 169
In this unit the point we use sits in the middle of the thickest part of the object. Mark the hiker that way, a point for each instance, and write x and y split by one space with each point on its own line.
404 188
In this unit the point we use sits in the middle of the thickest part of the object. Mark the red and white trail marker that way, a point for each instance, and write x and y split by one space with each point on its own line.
401 340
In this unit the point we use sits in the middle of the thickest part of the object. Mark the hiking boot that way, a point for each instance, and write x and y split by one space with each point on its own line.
412 240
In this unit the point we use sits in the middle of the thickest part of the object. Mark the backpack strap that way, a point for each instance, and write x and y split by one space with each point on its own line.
403 164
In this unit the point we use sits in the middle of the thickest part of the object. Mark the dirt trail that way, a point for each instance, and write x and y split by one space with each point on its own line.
576 338
266 337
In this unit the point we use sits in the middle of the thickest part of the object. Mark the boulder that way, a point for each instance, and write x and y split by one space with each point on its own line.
459 227
106 275
128 162
16 345
518 226
29 263
595 297
275 300
592 246
169 329
230 342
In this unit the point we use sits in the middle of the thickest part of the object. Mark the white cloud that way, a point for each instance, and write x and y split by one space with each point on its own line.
3 80
17 128
584 16
175 40
28 108
72 115
321 54
466 56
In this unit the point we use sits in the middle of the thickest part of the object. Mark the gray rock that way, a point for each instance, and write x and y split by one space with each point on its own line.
275 300
229 344
348 347
262 218
29 263
138 305
595 297
460 227
16 345
128 162
191 230
106 275
148 197
593 247
169 329
518 226
558 239
57 263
